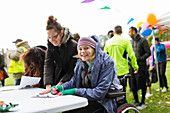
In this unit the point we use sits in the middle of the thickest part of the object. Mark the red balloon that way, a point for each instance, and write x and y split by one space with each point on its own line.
163 31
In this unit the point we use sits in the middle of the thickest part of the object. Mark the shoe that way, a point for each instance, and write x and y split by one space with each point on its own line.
143 106
148 95
165 90
136 104
158 89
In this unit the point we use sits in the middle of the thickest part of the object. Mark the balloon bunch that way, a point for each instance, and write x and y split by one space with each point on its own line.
152 24
149 25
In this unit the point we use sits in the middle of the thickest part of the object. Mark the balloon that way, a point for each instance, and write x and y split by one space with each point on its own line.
163 31
149 26
151 19
87 1
146 32
139 24
130 20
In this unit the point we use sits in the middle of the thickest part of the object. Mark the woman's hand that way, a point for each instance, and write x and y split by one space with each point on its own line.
56 89
47 90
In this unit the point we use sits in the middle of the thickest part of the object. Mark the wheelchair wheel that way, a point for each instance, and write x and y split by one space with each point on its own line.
127 108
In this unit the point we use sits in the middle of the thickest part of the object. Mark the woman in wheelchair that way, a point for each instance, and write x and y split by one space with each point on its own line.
95 75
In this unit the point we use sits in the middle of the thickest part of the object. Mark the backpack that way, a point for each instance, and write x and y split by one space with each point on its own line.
153 75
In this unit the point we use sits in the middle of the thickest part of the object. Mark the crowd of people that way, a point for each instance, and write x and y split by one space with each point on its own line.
74 65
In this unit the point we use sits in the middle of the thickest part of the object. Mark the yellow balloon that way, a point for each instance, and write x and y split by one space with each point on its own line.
139 24
151 19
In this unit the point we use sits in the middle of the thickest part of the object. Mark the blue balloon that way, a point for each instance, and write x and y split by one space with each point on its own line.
147 32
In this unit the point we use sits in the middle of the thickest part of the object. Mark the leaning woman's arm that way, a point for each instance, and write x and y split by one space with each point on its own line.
48 68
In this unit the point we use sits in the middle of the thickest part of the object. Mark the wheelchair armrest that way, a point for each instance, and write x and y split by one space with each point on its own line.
115 94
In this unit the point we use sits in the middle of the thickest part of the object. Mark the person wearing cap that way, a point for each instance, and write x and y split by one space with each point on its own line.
16 67
59 61
95 75
161 58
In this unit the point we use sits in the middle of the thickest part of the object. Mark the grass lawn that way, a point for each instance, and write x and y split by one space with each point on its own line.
156 103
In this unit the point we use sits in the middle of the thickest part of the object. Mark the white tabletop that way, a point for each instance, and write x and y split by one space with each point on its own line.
28 104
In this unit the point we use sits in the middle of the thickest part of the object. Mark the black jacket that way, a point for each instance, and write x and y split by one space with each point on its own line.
142 52
59 61
141 48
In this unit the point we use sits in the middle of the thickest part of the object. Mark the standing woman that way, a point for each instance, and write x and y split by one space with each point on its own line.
59 61
94 75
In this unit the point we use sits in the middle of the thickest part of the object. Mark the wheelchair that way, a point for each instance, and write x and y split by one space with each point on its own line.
122 105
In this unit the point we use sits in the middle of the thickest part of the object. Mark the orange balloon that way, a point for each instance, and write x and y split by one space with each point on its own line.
151 19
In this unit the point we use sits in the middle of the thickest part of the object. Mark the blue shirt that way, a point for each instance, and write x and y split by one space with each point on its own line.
161 53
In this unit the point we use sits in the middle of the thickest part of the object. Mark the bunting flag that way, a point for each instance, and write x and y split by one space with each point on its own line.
139 24
163 31
130 20
106 7
87 1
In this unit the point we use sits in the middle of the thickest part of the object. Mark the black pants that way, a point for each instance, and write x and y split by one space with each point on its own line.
162 77
135 94
92 107
138 81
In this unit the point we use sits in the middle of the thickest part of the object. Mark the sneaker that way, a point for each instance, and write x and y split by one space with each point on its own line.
136 104
143 106
148 95
158 89
164 90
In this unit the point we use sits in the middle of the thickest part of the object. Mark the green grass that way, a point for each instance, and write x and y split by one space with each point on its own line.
156 103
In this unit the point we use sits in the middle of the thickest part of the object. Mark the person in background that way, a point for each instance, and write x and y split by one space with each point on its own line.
148 81
142 52
161 57
59 62
3 73
110 34
116 47
76 37
34 63
95 75
16 67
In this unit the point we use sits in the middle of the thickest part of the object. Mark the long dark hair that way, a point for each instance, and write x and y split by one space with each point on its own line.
34 61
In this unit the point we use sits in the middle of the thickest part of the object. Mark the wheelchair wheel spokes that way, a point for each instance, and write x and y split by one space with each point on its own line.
127 108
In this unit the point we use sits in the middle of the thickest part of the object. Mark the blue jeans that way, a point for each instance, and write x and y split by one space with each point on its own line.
17 82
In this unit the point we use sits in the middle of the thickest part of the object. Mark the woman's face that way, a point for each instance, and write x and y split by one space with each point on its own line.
86 52
54 37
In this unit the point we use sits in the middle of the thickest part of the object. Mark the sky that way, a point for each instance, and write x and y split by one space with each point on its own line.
26 19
